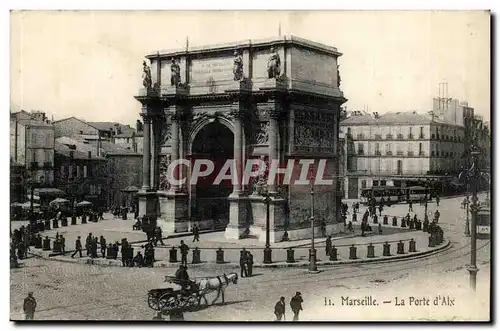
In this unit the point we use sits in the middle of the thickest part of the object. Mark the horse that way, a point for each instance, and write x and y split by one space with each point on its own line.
219 284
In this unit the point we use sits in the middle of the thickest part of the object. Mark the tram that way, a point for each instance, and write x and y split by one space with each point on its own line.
483 226
392 194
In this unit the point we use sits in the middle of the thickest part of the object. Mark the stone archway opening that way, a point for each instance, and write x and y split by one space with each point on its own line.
214 142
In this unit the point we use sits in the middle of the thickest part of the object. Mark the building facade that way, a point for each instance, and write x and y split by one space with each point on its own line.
399 149
32 147
276 99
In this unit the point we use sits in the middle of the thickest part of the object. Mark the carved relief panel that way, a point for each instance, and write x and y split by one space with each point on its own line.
314 130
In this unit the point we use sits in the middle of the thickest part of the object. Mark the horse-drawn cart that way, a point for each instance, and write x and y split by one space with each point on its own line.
166 299
189 297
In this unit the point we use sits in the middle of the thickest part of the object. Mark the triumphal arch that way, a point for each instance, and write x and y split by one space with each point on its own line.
276 99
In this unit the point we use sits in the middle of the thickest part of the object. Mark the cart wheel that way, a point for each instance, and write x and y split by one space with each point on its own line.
193 302
153 302
167 302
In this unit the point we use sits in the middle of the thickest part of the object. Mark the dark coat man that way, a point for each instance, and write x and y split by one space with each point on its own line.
328 247
279 309
102 242
138 260
115 250
410 205
94 245
62 242
88 244
296 305
184 252
29 306
196 233
250 264
124 252
243 263
158 236
78 247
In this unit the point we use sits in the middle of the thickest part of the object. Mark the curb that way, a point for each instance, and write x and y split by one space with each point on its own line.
118 263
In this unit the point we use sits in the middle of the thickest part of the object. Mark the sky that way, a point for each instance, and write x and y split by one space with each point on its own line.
88 64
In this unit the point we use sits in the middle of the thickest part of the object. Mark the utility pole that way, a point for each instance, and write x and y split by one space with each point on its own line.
312 251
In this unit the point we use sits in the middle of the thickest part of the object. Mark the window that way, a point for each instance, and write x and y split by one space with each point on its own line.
383 183
421 132
361 149
348 131
363 183
377 149
432 153
388 150
420 151
410 135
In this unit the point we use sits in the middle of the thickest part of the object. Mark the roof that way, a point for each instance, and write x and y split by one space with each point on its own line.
105 126
78 153
396 118
108 148
216 48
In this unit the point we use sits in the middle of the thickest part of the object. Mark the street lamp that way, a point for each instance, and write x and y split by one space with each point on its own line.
466 207
267 250
312 251
472 176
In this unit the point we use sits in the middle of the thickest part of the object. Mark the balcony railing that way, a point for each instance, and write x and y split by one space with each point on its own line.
388 136
389 153
421 153
360 136
410 153
421 136
378 136
433 136
410 136
378 153
361 152
400 136
399 153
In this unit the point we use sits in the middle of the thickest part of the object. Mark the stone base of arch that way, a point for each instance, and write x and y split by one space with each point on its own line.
173 213
238 216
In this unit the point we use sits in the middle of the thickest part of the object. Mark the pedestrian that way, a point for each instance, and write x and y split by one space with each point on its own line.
357 207
78 247
436 216
410 205
196 233
138 260
296 305
379 228
29 306
380 208
354 217
323 227
88 244
102 242
243 263
437 200
159 235
350 227
124 252
115 250
250 264
328 247
279 309
184 252
62 242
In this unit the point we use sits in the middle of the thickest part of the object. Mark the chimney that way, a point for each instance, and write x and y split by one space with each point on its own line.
90 154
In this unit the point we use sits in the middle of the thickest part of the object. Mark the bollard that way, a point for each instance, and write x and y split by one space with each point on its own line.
387 249
403 223
401 247
41 226
38 242
57 247
46 244
371 251
110 253
431 241
73 220
386 220
55 223
352 253
131 255
413 246
333 254
394 221
84 219
172 255
47 225
219 258
196 256
290 255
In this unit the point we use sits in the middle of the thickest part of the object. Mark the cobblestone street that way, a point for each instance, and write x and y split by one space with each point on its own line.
74 291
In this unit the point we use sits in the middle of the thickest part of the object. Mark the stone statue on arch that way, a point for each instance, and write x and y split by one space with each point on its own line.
274 64
146 76
238 66
175 74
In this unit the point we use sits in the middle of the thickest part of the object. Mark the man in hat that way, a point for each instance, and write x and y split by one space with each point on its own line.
279 309
184 252
78 247
296 305
29 306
